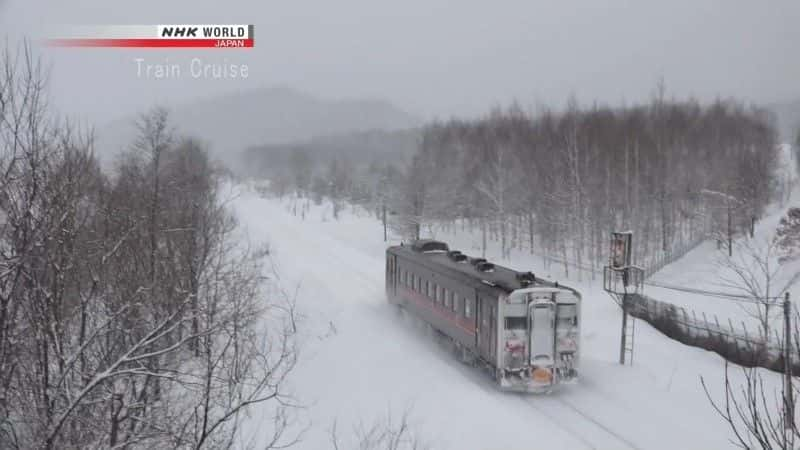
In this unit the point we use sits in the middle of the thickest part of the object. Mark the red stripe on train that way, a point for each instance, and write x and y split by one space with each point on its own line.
447 315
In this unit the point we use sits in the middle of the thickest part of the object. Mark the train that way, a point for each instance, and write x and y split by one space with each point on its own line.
523 330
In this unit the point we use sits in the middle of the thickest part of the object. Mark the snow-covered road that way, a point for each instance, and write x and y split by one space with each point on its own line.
360 361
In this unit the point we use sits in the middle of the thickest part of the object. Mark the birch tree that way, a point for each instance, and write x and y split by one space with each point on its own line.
131 312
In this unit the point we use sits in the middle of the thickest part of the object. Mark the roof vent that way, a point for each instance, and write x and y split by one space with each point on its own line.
484 267
429 245
476 261
457 256
526 278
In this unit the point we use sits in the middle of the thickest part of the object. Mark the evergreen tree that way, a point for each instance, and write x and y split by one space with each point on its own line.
788 236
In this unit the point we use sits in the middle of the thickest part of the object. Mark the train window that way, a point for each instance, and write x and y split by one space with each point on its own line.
567 314
419 284
446 296
515 323
439 294
429 289
467 308
454 301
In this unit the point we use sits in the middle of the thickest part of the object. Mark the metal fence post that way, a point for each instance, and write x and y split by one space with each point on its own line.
788 408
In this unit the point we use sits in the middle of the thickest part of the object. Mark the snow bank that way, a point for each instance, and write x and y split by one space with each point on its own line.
359 360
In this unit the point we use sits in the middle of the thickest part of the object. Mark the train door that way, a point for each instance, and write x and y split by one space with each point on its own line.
485 327
478 324
542 335
391 275
492 330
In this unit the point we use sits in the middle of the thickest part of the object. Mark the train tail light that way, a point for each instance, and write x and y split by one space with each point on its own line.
542 375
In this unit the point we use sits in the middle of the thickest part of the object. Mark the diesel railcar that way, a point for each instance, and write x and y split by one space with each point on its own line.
524 330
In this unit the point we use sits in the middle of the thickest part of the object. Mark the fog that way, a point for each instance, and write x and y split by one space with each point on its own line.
434 58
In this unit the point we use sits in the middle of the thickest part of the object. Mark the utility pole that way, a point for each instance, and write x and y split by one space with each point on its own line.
621 269
384 221
624 327
730 231
788 397
729 202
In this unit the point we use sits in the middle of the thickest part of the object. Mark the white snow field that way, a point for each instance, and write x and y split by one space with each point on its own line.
702 268
360 361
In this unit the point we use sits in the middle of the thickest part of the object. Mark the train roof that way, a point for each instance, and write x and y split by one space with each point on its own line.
436 255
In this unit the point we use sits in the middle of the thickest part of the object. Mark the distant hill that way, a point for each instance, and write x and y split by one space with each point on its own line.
788 115
360 149
267 116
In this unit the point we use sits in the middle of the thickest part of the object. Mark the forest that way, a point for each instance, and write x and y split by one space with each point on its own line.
555 183
132 313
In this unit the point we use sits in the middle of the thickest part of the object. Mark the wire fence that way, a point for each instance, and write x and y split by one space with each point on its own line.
658 262
747 347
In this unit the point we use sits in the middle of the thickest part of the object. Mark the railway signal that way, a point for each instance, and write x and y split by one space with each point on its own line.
623 281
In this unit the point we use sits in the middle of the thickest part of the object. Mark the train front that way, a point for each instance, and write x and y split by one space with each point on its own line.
539 339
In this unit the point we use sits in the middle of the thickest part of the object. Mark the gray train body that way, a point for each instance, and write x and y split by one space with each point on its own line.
524 330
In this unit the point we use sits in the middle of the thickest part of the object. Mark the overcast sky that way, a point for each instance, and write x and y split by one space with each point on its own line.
435 57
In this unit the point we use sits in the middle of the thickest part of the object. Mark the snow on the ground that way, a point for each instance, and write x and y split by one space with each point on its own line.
360 361
704 268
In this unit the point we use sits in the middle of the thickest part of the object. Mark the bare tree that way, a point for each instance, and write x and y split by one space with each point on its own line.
585 170
499 177
753 271
755 413
383 434
131 312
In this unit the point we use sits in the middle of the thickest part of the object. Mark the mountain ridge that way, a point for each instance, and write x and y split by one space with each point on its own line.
230 123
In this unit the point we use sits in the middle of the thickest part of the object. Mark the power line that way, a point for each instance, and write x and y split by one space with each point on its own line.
717 294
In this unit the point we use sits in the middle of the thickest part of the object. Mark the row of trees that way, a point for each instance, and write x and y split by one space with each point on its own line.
131 313
558 183
343 168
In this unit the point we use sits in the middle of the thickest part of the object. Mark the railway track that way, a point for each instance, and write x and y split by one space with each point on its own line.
582 425
583 429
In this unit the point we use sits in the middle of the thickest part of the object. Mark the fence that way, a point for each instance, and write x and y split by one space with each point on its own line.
738 346
658 263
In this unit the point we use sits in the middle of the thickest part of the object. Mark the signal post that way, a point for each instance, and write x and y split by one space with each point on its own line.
622 280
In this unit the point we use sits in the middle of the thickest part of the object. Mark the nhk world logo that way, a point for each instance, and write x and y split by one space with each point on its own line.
156 36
